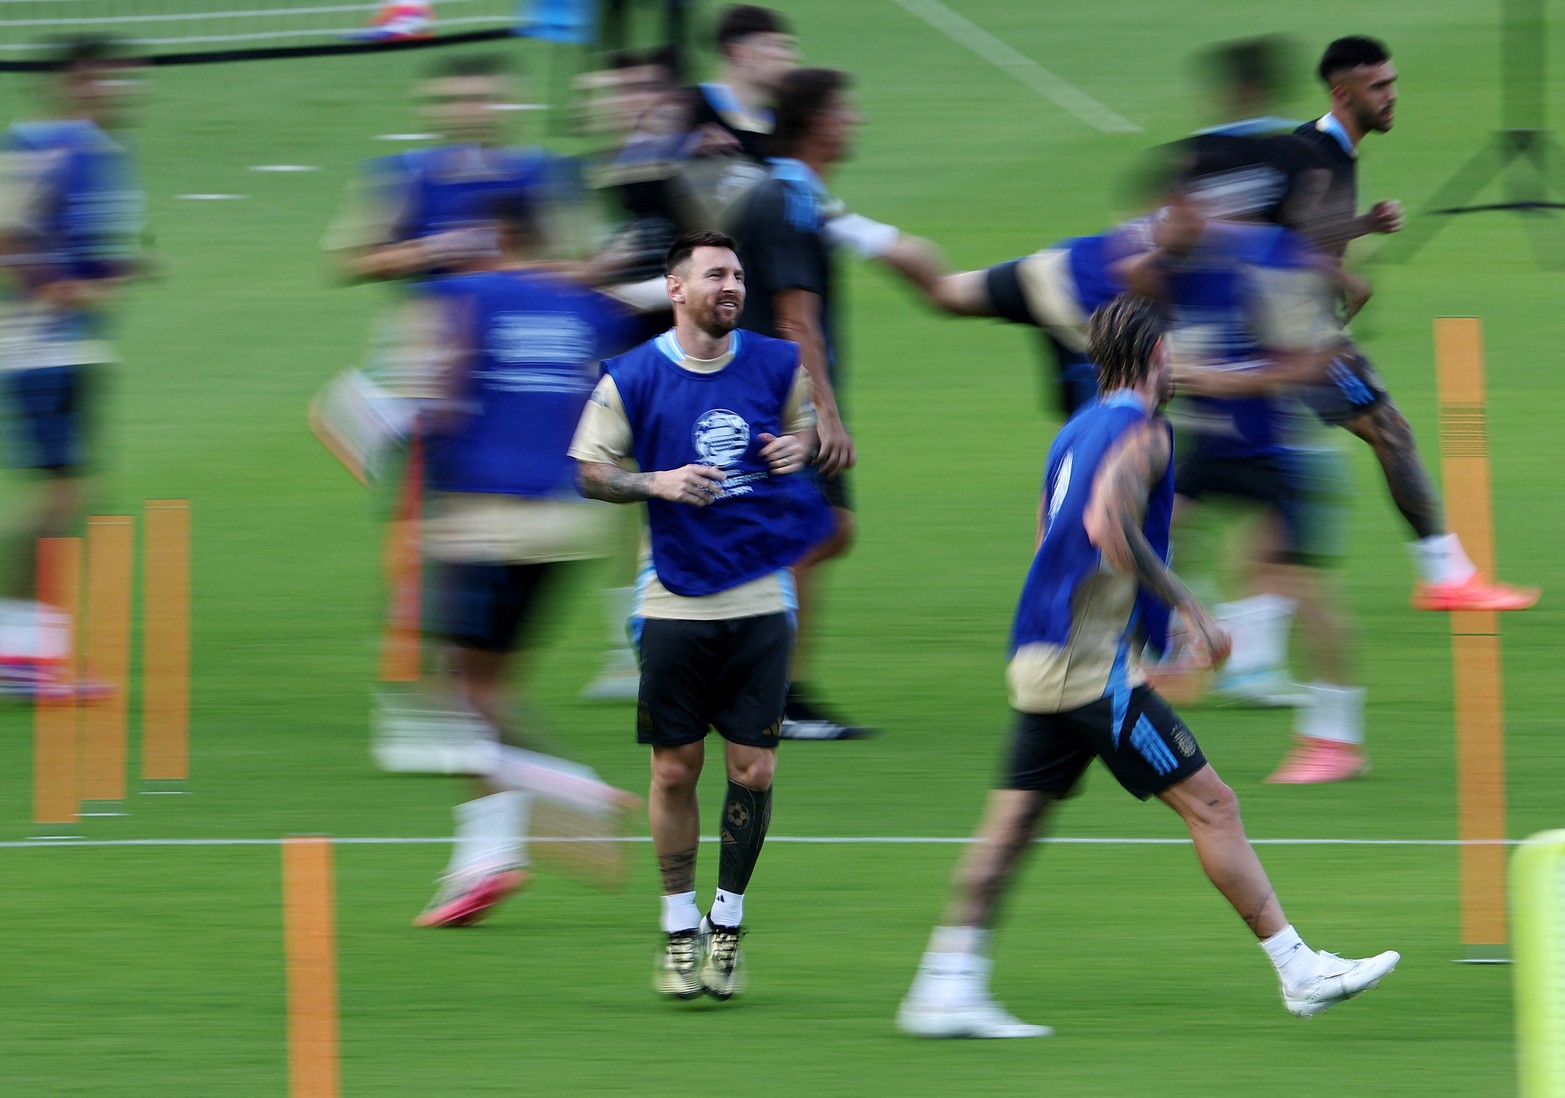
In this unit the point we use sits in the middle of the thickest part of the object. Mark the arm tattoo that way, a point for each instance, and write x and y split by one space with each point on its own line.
613 484
678 871
1143 461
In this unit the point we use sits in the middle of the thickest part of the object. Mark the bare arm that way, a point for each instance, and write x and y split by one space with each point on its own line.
799 319
1284 370
1113 519
696 485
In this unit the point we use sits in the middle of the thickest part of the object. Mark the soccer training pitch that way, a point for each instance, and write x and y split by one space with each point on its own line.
158 969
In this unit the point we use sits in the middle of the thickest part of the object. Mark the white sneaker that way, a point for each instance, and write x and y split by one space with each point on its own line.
1265 688
618 680
983 1018
1339 980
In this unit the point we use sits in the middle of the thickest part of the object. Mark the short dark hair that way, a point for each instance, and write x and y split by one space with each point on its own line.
458 65
686 244
77 50
1121 337
803 94
1346 54
743 20
1261 64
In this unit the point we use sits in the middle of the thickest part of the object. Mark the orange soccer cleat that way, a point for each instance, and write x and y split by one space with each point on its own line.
1473 593
1315 761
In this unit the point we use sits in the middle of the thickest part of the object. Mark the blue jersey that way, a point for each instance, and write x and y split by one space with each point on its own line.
760 523
537 341
448 187
81 212
1217 294
1066 558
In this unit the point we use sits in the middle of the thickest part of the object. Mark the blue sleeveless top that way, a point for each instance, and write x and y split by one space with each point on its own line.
1067 558
761 523
537 341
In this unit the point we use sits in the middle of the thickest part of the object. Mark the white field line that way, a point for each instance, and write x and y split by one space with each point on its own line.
820 840
1061 92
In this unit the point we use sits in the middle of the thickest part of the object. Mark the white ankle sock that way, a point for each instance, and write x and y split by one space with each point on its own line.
954 970
1294 961
728 908
1334 712
1441 559
1259 628
680 912
490 833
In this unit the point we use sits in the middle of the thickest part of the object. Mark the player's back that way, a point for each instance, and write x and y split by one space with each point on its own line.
76 196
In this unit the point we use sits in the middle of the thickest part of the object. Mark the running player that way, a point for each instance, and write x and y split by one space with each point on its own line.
1098 585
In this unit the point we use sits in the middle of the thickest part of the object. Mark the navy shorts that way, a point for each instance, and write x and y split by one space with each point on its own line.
488 607
1352 387
1145 746
50 413
731 675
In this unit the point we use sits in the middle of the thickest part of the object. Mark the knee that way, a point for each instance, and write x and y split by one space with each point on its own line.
756 772
1218 806
675 771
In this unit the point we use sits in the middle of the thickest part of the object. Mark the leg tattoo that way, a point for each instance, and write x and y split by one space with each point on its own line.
1412 490
679 871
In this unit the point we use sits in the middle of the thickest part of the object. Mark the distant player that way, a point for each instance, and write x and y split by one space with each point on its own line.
71 236
1362 81
1098 586
520 347
711 427
793 287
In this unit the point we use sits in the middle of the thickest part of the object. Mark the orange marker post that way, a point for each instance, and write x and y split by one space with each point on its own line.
1477 684
310 944
165 644
110 552
56 800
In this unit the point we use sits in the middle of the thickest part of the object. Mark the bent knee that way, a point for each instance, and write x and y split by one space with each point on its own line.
756 772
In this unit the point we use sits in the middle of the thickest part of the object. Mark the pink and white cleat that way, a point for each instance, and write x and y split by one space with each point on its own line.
1474 593
465 899
1316 761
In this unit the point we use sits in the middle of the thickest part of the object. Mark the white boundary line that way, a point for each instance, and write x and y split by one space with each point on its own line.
808 840
1054 88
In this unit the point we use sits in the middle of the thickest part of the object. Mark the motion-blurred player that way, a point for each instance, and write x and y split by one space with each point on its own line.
1098 587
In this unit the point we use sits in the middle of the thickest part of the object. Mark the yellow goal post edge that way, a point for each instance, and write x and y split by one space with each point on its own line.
1538 936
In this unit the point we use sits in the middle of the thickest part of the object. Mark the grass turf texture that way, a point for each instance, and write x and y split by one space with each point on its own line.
159 971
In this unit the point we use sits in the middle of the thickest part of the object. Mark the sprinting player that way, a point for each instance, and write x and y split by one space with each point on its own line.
1097 587
1362 81
719 423
520 350
792 289
71 234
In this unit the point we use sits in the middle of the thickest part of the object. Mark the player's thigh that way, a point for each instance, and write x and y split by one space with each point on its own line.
490 607
677 696
1047 754
751 679
1145 745
1350 391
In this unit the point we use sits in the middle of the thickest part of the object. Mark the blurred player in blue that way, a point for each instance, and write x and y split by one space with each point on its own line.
1099 588
518 349
72 219
710 427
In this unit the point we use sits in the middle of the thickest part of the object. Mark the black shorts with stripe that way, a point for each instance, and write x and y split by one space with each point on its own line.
1145 746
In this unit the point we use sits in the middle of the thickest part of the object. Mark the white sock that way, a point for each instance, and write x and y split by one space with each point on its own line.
1334 713
1441 559
728 908
680 912
954 970
1294 961
490 833
1259 628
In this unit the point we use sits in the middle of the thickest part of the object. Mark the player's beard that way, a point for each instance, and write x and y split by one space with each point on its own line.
715 321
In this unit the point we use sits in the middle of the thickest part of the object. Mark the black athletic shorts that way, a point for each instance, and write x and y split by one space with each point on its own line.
1352 387
488 607
1261 480
731 675
1145 746
835 489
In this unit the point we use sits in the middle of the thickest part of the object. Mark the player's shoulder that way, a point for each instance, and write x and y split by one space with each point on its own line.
756 345
65 134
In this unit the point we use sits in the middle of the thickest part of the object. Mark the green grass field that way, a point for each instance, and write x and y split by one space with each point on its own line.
158 970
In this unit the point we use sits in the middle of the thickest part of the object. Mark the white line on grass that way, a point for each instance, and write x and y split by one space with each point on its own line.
406 136
1054 88
285 168
212 197
831 840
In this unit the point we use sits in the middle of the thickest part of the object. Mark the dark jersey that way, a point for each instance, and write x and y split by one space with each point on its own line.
782 246
1340 202
716 105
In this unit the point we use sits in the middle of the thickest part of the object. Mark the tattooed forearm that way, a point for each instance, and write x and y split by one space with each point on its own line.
678 871
1125 494
613 484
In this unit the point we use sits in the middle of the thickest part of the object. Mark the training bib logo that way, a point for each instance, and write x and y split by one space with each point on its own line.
721 437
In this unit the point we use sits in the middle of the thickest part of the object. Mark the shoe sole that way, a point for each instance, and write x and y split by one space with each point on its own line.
1362 771
943 1026
472 907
